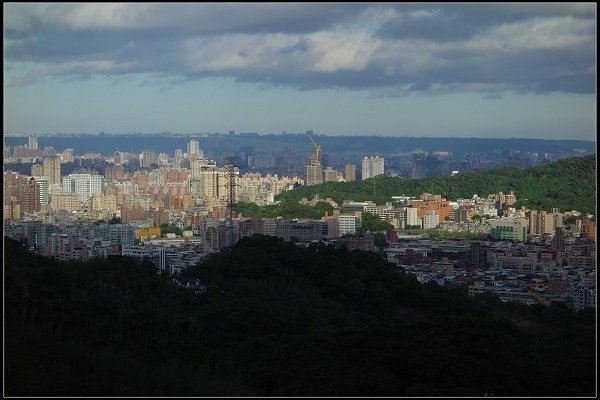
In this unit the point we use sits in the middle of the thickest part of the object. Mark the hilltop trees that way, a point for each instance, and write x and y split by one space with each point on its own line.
567 184
278 320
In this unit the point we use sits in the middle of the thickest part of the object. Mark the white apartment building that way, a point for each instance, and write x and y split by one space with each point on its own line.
193 149
372 166
85 185
44 184
410 216
431 221
156 254
347 223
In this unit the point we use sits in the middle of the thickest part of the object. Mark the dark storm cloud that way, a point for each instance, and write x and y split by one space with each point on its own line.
392 49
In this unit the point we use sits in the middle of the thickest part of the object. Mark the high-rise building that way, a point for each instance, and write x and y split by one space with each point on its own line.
85 185
543 223
44 184
52 169
314 169
588 228
114 173
347 223
372 166
67 156
410 216
350 172
102 202
120 157
558 241
37 170
148 158
193 149
209 183
431 221
33 142
419 168
314 174
478 255
330 175
30 197
12 183
163 159
64 201
178 158
557 218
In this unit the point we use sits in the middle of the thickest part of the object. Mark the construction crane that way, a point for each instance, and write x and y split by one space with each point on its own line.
317 156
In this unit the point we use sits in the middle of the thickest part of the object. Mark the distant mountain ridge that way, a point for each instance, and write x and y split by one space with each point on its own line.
219 144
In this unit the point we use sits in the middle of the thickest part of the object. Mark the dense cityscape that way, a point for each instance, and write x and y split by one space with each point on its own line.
177 208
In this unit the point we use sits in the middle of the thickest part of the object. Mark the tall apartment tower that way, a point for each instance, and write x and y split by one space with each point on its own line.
37 170
33 142
193 149
30 197
588 228
84 185
120 157
419 168
207 182
314 169
44 183
372 166
52 169
67 156
148 158
350 172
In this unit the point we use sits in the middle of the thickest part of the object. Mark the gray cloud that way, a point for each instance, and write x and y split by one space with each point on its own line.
389 49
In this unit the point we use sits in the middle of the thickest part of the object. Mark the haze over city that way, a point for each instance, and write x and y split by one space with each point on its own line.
437 70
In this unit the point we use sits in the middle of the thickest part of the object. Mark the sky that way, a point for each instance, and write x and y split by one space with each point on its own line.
523 70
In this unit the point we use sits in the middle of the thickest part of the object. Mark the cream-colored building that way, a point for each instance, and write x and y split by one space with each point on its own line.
102 202
210 183
51 166
544 223
64 201
67 156
261 190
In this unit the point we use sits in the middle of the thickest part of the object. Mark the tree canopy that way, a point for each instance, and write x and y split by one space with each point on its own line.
567 184
276 319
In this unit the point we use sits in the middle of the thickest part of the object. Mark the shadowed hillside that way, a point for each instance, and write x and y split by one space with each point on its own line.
280 320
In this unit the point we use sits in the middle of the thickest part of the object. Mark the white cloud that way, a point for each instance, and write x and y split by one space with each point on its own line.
107 15
537 33
222 53
343 50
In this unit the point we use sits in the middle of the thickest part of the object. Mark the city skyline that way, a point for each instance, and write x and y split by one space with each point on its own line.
431 70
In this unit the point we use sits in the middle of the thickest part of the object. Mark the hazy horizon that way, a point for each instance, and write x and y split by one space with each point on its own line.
489 70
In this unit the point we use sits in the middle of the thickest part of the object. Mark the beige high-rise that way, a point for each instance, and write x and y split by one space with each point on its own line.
52 169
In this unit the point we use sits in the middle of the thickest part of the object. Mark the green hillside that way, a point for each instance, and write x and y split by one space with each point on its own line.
278 320
567 184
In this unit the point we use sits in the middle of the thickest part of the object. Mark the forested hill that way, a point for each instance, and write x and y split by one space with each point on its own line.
569 184
278 320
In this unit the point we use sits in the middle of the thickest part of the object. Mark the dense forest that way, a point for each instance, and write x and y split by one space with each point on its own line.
278 320
569 184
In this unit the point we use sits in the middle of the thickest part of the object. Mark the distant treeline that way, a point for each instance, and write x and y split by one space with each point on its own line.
278 320
218 145
569 184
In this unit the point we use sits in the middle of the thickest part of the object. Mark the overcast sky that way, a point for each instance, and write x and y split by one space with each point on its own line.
392 69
